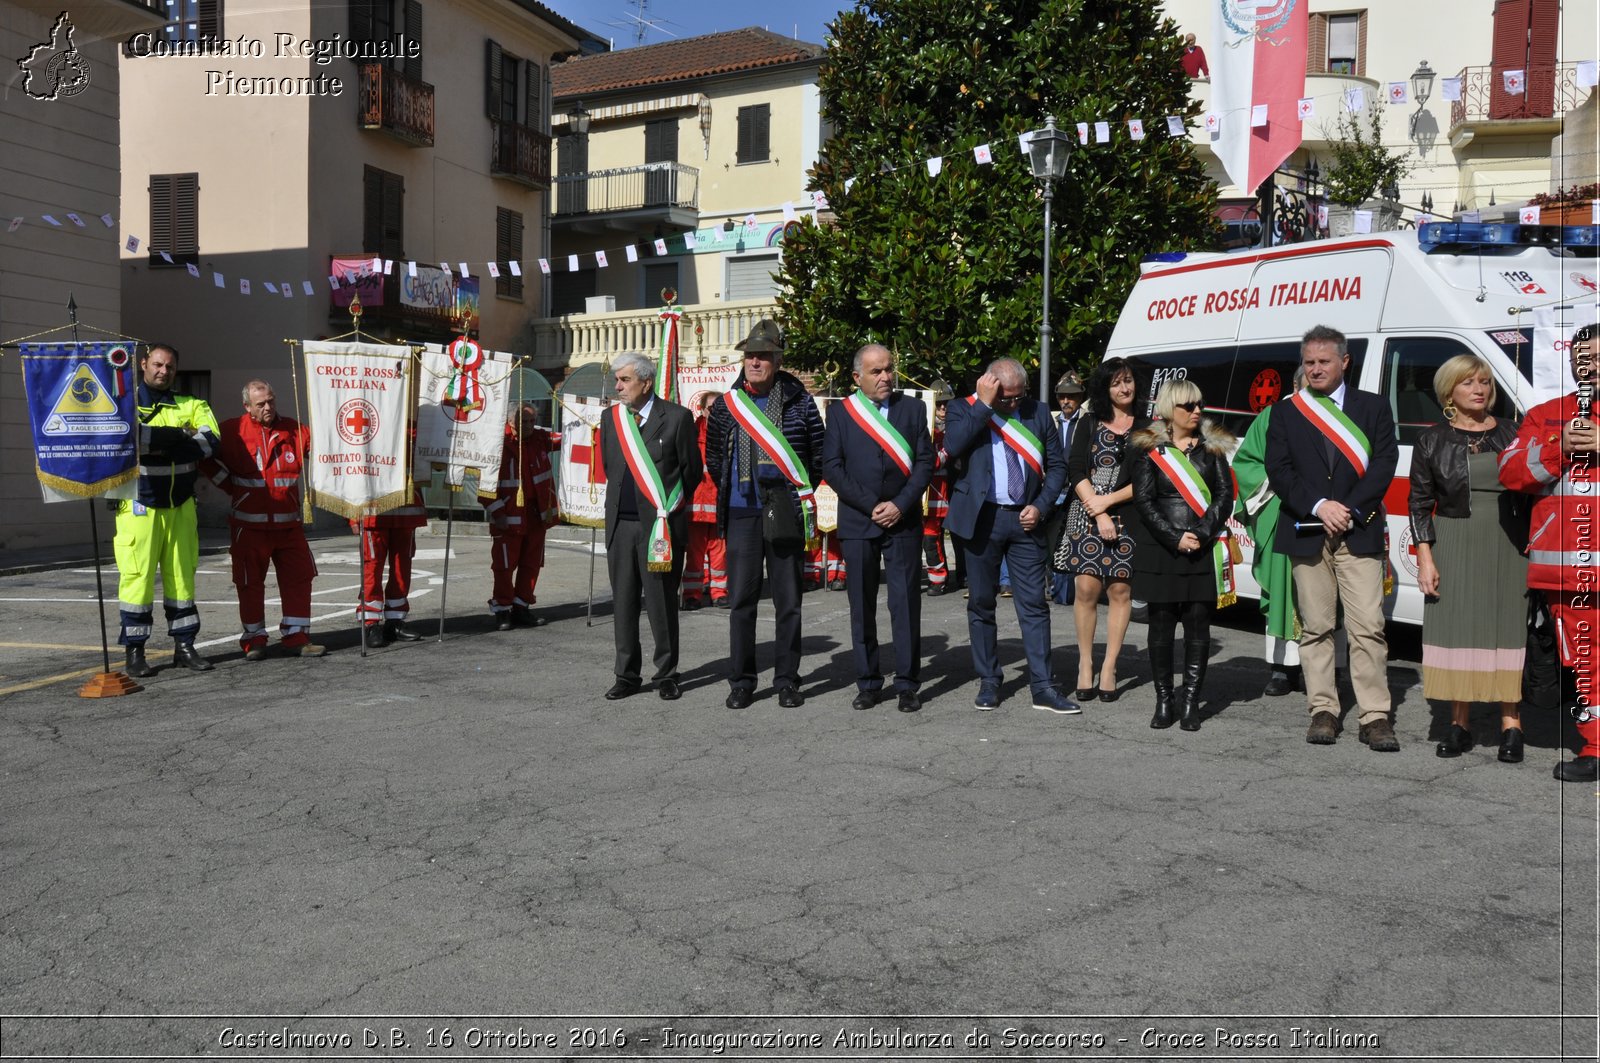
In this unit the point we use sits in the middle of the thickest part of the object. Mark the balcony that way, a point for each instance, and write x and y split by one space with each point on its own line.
1486 108
628 198
520 153
395 104
710 331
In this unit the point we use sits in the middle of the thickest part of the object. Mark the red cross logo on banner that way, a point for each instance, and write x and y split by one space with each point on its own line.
1265 389
357 422
589 454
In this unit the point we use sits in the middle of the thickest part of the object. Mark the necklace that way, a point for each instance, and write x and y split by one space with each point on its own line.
1474 441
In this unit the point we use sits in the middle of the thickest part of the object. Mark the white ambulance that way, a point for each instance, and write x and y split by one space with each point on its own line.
1407 300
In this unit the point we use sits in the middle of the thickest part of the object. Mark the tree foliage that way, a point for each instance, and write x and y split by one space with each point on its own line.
1359 165
945 270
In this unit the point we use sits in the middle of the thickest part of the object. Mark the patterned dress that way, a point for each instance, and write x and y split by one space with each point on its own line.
1081 551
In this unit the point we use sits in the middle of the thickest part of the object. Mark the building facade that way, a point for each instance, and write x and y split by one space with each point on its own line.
60 131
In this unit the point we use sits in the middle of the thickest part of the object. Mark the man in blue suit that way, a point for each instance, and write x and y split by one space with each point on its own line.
877 456
1014 473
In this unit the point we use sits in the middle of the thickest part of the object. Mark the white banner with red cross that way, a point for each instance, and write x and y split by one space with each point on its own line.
358 404
582 485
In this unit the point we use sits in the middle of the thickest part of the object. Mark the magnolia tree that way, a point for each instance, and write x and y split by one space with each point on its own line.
945 269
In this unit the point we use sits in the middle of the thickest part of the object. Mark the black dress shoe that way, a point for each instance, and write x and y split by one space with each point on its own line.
691 604
722 603
668 690
1579 769
522 616
738 698
1511 745
376 636
910 701
185 654
935 590
1278 685
502 621
865 699
621 689
398 632
1457 740
790 697
138 667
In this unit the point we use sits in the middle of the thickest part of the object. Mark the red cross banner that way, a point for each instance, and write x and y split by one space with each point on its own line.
582 487
359 405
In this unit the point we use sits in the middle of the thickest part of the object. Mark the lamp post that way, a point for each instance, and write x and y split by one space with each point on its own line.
1047 157
1421 89
578 119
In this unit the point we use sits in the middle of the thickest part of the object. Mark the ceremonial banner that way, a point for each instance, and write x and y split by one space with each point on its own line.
461 414
715 379
85 423
1261 61
358 401
1553 327
582 485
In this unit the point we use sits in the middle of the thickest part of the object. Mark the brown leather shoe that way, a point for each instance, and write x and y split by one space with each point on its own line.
1379 736
1324 729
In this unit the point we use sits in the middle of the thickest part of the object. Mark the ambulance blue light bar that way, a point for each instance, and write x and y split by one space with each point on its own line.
1439 234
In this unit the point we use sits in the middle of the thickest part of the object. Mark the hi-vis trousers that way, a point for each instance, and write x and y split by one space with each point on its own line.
151 538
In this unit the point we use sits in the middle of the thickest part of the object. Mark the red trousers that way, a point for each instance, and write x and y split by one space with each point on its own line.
1577 618
255 550
515 558
705 562
389 548
933 550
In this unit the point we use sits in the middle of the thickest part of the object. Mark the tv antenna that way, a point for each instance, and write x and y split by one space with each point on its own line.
635 19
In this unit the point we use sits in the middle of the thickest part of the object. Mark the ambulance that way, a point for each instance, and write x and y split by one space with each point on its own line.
1408 301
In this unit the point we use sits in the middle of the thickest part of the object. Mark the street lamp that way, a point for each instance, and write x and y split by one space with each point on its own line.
578 119
1047 157
1421 89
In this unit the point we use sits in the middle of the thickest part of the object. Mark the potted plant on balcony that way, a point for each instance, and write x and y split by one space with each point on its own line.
1567 206
1358 167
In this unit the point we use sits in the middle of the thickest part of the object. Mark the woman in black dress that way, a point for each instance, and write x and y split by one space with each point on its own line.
1182 495
1095 546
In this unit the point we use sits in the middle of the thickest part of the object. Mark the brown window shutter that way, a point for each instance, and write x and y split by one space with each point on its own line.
1544 23
1509 51
1317 45
186 214
1361 45
413 65
508 247
492 62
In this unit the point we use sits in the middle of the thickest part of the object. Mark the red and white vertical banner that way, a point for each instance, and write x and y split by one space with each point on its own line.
358 405
459 437
1260 58
581 488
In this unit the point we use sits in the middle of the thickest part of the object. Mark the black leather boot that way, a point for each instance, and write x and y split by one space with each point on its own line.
185 654
137 666
1194 676
398 632
1161 675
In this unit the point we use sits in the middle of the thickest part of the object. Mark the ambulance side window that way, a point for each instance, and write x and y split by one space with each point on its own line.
1409 363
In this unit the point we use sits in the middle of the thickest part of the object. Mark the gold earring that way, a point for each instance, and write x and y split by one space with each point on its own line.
1450 410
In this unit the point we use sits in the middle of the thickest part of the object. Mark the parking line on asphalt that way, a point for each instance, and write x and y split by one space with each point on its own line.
34 684
45 646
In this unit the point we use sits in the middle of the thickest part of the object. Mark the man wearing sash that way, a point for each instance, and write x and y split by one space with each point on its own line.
877 455
652 463
158 530
1014 472
1331 454
764 446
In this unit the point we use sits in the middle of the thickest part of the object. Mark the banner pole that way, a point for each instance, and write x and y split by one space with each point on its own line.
593 534
449 531
94 524
361 612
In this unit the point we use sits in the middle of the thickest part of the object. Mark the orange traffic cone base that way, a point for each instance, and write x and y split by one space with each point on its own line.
109 685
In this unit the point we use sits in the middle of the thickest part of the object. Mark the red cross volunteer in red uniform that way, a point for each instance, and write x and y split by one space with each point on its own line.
523 509
389 540
260 461
1554 457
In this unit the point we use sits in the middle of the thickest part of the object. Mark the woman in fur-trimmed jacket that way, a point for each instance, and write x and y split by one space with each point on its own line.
1182 493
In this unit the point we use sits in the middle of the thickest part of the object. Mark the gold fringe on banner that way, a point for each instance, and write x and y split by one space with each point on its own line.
355 511
83 490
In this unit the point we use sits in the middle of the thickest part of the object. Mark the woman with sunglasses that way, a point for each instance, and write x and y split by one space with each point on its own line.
1182 495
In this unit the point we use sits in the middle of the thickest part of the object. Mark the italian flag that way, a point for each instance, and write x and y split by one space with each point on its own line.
1258 57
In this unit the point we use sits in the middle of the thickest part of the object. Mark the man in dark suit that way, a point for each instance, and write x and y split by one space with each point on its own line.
1014 472
1069 397
877 456
1330 456
652 466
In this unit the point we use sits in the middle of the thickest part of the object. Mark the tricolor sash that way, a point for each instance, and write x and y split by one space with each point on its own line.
873 421
667 360
777 449
1194 490
1016 435
658 552
1341 430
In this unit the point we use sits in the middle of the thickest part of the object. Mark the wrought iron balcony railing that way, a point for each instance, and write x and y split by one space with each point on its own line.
519 152
1548 92
396 104
654 184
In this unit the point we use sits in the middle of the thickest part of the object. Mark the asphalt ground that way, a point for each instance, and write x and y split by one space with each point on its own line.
461 841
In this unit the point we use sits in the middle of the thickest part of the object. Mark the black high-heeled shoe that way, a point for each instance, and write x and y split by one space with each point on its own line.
1457 741
1511 745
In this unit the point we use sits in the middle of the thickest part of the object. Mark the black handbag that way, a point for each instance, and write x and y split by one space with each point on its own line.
780 520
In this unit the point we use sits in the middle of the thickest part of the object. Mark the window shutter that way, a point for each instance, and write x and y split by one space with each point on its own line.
1361 44
763 134
372 210
394 194
492 81
161 213
361 20
413 65
209 19
753 132
1317 44
544 115
508 247
1509 51
186 214
1544 23
533 81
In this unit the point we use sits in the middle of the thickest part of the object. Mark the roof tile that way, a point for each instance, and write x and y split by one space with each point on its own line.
693 57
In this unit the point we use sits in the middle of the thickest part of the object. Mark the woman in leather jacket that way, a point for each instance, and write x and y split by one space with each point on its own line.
1469 535
1174 565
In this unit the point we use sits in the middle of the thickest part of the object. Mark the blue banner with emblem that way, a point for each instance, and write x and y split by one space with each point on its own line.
85 426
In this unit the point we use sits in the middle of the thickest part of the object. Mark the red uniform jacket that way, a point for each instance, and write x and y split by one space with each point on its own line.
703 507
939 486
261 468
1564 538
535 478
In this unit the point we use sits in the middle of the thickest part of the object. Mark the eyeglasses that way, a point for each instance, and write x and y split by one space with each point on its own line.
1007 399
1190 406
